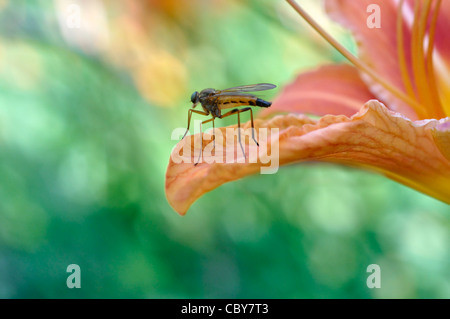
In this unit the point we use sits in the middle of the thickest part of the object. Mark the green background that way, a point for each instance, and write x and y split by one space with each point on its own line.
85 142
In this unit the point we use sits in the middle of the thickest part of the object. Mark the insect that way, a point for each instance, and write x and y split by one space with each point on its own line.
214 101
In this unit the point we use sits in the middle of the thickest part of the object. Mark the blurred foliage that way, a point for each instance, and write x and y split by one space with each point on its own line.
86 117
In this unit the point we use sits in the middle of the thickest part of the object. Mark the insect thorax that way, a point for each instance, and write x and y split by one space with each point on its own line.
208 103
207 92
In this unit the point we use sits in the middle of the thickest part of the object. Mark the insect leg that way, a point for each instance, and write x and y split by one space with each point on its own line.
201 134
214 135
201 146
239 131
245 109
253 125
238 111
189 119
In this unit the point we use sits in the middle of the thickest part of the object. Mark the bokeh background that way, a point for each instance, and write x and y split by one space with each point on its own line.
86 115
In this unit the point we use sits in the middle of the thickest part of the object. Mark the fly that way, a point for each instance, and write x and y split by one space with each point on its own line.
214 101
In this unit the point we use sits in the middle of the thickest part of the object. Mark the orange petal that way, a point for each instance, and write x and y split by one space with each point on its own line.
377 46
442 138
442 43
330 89
375 138
442 59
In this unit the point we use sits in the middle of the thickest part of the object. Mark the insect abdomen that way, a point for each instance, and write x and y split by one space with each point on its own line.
238 101
262 103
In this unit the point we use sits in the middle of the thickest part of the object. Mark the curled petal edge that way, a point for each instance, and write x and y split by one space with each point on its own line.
375 138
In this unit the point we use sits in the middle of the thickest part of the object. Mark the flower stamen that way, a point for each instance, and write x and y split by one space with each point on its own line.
401 53
354 60
418 55
437 103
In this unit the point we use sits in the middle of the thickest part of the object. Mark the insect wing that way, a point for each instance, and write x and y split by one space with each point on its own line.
250 88
233 93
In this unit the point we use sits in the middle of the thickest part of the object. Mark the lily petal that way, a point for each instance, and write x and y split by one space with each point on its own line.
442 138
442 60
375 138
330 89
377 46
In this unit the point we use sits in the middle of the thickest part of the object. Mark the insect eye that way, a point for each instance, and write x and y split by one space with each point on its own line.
194 97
